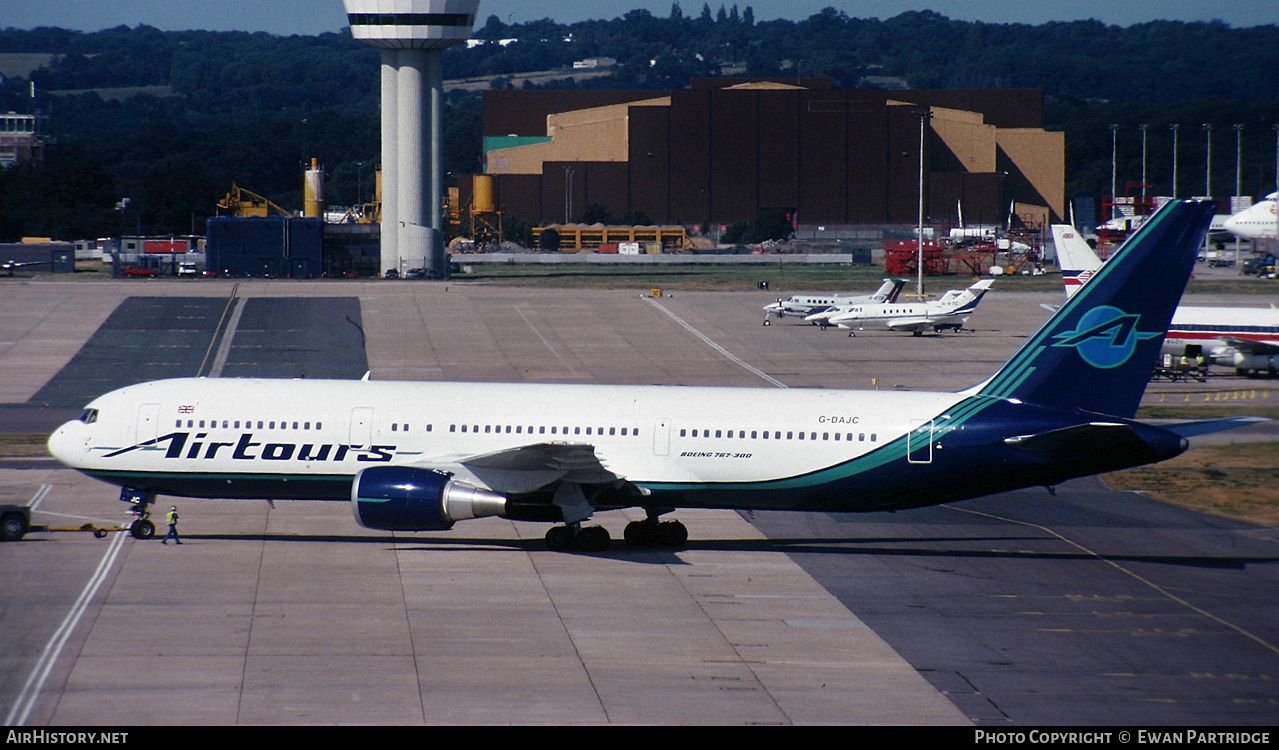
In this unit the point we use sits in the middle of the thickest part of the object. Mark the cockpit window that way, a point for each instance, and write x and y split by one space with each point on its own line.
89 416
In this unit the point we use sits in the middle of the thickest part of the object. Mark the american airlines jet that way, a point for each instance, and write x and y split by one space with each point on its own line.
423 456
1245 338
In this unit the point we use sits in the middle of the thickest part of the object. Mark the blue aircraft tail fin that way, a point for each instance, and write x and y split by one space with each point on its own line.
1096 353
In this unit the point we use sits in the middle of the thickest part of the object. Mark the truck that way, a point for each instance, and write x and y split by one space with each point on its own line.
1220 258
15 522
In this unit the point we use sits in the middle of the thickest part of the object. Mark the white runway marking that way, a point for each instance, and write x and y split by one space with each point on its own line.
31 690
714 345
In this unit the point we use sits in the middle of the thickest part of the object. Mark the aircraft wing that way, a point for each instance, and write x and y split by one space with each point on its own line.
529 468
910 324
1248 346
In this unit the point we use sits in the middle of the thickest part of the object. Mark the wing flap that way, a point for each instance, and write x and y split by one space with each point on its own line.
529 468
908 324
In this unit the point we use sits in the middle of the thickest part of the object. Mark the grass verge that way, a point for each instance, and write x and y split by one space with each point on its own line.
1238 481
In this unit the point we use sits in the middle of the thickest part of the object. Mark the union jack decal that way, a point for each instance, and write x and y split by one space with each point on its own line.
186 409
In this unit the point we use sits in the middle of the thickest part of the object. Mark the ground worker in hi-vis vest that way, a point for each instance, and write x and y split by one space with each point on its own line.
171 518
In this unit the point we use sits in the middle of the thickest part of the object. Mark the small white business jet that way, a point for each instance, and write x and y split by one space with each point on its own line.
950 312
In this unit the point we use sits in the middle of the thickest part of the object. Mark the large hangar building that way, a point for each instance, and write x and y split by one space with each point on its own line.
726 149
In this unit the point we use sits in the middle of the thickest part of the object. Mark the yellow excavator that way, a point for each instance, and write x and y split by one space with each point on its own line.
241 202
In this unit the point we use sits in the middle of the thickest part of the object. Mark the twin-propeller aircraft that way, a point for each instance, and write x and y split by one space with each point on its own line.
422 456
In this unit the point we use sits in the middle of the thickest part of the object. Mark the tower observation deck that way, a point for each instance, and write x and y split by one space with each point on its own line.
412 35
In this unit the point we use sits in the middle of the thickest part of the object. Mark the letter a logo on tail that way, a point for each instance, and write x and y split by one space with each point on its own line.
1106 336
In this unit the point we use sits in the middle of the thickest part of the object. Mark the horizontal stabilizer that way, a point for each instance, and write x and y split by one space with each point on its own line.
1083 438
1207 426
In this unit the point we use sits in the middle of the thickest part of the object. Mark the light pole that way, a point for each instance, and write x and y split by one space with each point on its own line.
568 194
924 116
1238 160
1175 128
1238 178
1143 128
1208 162
1113 155
1276 129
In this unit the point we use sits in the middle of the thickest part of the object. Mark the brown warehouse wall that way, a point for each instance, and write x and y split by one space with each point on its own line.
722 155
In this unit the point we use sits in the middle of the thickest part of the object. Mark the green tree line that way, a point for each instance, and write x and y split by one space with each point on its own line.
169 119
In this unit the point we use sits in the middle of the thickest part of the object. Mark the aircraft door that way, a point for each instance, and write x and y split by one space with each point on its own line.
361 427
919 442
662 437
148 424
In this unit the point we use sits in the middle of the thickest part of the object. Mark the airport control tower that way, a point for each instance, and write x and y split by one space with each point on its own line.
412 35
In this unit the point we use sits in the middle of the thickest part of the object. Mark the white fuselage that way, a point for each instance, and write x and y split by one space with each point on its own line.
887 316
807 304
1256 222
951 311
1226 334
286 430
801 304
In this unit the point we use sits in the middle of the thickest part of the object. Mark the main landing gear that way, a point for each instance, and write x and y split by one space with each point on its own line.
142 527
653 533
649 533
573 537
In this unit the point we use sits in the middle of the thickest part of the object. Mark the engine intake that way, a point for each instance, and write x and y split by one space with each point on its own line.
406 498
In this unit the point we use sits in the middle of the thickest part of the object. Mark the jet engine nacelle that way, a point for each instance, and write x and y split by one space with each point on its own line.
408 498
1242 361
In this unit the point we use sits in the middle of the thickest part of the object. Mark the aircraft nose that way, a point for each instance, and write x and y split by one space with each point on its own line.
62 443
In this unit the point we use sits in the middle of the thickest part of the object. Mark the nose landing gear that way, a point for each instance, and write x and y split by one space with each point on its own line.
142 527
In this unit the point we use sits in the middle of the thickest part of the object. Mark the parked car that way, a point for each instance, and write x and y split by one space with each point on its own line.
140 272
1261 265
